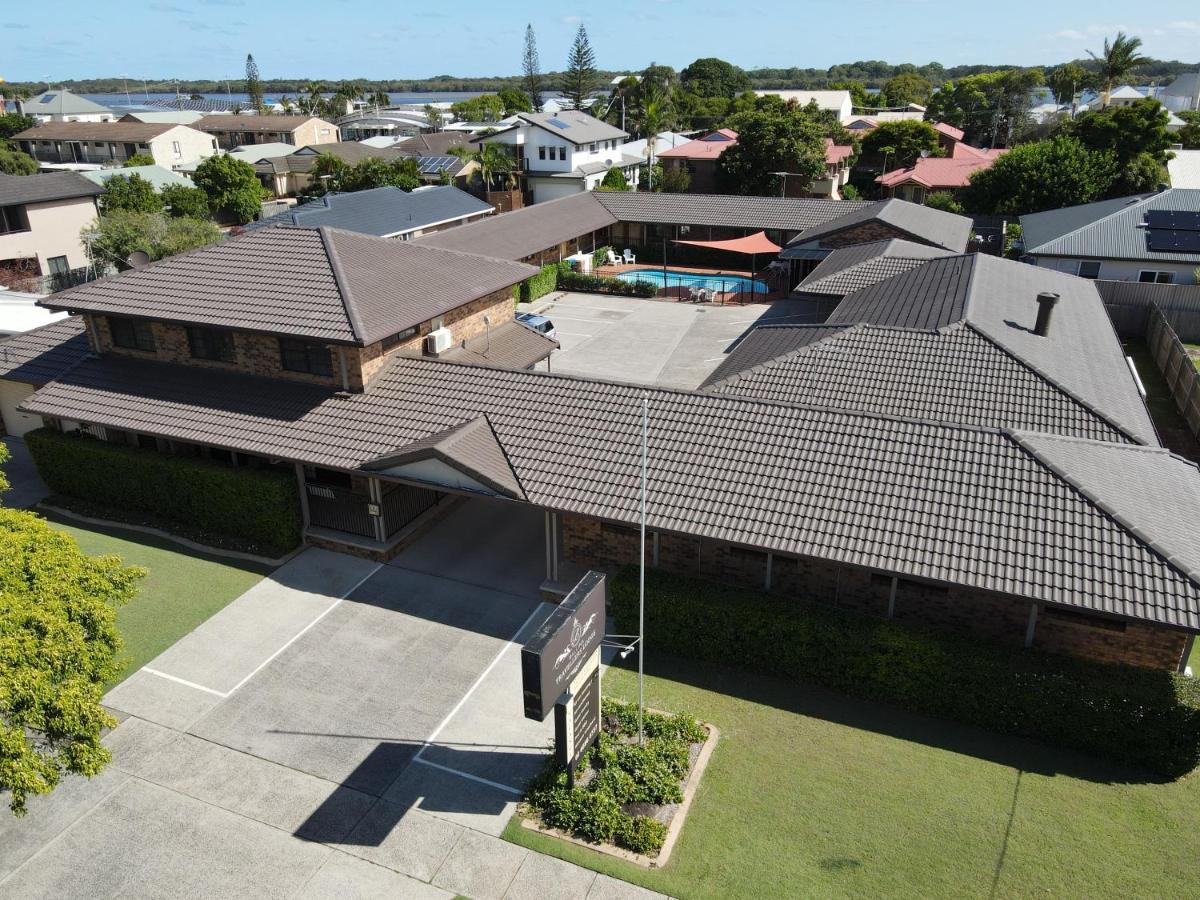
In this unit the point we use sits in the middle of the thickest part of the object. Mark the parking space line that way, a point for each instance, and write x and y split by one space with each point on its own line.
184 682
574 333
468 775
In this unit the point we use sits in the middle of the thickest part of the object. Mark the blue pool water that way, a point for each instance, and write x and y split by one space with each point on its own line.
674 278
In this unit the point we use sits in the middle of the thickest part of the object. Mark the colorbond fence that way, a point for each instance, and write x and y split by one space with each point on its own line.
1129 305
1176 366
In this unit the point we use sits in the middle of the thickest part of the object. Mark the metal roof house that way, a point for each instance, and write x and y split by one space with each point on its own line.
64 106
1151 238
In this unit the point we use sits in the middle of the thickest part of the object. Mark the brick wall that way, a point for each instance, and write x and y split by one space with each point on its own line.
995 617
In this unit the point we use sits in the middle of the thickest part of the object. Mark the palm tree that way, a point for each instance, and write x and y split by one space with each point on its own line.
493 161
313 104
1117 61
652 116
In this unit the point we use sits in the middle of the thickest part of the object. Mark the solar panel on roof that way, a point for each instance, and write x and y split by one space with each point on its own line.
1161 240
1174 219
49 98
559 123
429 165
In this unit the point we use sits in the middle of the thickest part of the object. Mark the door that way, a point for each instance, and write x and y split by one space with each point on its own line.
16 423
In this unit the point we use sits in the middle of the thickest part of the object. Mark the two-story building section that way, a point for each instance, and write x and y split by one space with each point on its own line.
564 153
41 217
94 145
299 131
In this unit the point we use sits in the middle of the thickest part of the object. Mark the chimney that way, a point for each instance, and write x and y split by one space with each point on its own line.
1046 301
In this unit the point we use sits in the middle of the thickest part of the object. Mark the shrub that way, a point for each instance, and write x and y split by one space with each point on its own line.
601 284
1137 716
259 507
641 834
540 284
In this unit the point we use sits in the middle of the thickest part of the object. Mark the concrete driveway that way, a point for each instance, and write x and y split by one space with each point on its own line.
654 342
342 729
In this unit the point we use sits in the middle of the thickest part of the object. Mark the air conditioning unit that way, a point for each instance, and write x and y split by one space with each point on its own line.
438 341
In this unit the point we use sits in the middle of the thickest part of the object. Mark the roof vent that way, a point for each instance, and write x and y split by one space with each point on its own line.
1046 301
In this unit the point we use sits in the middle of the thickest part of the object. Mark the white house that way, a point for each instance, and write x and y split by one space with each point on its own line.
565 152
64 106
837 102
1181 94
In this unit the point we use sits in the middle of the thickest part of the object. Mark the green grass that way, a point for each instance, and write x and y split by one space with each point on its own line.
811 794
183 588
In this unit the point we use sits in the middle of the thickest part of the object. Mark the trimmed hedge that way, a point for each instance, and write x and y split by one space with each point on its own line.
259 507
602 284
1142 717
540 284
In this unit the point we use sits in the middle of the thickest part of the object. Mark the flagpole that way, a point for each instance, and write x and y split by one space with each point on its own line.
642 574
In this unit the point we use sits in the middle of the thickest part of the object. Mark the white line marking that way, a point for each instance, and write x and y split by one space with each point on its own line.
183 681
715 359
495 784
575 334
303 630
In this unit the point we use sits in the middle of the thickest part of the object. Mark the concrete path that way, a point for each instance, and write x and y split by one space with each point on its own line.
651 341
343 729
27 487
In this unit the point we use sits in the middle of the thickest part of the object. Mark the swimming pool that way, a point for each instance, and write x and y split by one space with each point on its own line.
675 278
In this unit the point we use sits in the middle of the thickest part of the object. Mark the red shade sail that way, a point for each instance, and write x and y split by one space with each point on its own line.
751 244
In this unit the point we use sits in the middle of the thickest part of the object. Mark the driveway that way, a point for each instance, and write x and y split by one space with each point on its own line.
654 342
27 486
344 728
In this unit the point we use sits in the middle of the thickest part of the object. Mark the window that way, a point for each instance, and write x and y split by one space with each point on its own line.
305 356
211 343
541 152
393 339
176 149
592 148
562 153
1149 276
58 265
12 218
132 335
1089 268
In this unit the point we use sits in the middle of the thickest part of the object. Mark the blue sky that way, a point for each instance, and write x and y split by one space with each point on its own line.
356 38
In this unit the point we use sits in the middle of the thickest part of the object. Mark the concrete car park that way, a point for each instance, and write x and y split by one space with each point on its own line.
344 728
664 343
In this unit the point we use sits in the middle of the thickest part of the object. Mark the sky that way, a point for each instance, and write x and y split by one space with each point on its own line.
338 39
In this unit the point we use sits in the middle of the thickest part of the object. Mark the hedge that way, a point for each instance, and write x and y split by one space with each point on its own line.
602 284
540 284
1142 717
255 506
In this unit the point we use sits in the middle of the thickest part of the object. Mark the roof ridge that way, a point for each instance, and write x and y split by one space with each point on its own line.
1022 441
787 354
1134 200
339 276
504 451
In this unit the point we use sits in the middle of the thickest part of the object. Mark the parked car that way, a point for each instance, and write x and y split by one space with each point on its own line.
540 324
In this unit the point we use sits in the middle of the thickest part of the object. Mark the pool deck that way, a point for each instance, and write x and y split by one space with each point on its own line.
680 294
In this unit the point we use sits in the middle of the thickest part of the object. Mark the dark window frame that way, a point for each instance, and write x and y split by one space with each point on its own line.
305 357
139 336
393 340
211 344
14 219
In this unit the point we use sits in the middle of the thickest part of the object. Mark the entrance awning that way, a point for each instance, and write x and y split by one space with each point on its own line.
750 245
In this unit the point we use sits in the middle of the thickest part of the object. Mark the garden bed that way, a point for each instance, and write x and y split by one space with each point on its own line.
629 801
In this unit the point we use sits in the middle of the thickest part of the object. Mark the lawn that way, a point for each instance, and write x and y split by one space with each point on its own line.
813 794
183 588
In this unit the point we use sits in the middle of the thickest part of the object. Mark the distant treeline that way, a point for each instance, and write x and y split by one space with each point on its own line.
871 72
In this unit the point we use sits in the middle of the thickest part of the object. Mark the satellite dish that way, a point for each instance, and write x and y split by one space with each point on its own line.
138 259
924 154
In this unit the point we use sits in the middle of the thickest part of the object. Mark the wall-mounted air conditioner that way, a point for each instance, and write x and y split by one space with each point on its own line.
438 341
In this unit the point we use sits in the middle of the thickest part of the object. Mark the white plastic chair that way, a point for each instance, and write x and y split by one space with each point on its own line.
612 259
630 259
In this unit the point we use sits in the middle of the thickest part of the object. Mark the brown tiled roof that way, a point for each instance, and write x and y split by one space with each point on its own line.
852 268
985 508
260 124
437 144
41 355
511 346
922 223
136 132
726 210
321 283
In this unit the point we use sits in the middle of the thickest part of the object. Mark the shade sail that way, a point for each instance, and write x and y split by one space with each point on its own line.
754 243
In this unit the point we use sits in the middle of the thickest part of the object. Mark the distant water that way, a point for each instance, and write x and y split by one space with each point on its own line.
138 99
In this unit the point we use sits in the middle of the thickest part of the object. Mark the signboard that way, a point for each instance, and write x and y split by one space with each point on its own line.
577 718
563 646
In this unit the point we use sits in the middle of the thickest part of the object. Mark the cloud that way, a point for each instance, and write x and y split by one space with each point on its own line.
572 20
15 25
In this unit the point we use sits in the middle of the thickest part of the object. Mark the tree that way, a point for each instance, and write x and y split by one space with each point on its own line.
129 192
58 650
906 88
1189 134
1117 60
435 117
1128 131
254 91
1140 175
581 78
614 180
1067 80
138 159
900 144
183 202
768 142
231 186
989 107
859 97
531 69
651 115
15 123
943 200
116 235
515 101
1040 176
16 162
484 108
327 171
493 161
712 77
373 172
676 180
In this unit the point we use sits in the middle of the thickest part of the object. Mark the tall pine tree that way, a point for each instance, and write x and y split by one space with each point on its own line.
581 76
254 92
531 66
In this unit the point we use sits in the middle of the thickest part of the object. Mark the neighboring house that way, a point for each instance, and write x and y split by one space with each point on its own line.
837 172
87 145
1185 168
20 312
386 211
64 106
41 217
286 174
699 159
299 131
387 123
163 116
1147 237
1181 94
859 266
1125 95
438 143
937 174
563 153
664 140
156 175
837 102
30 360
